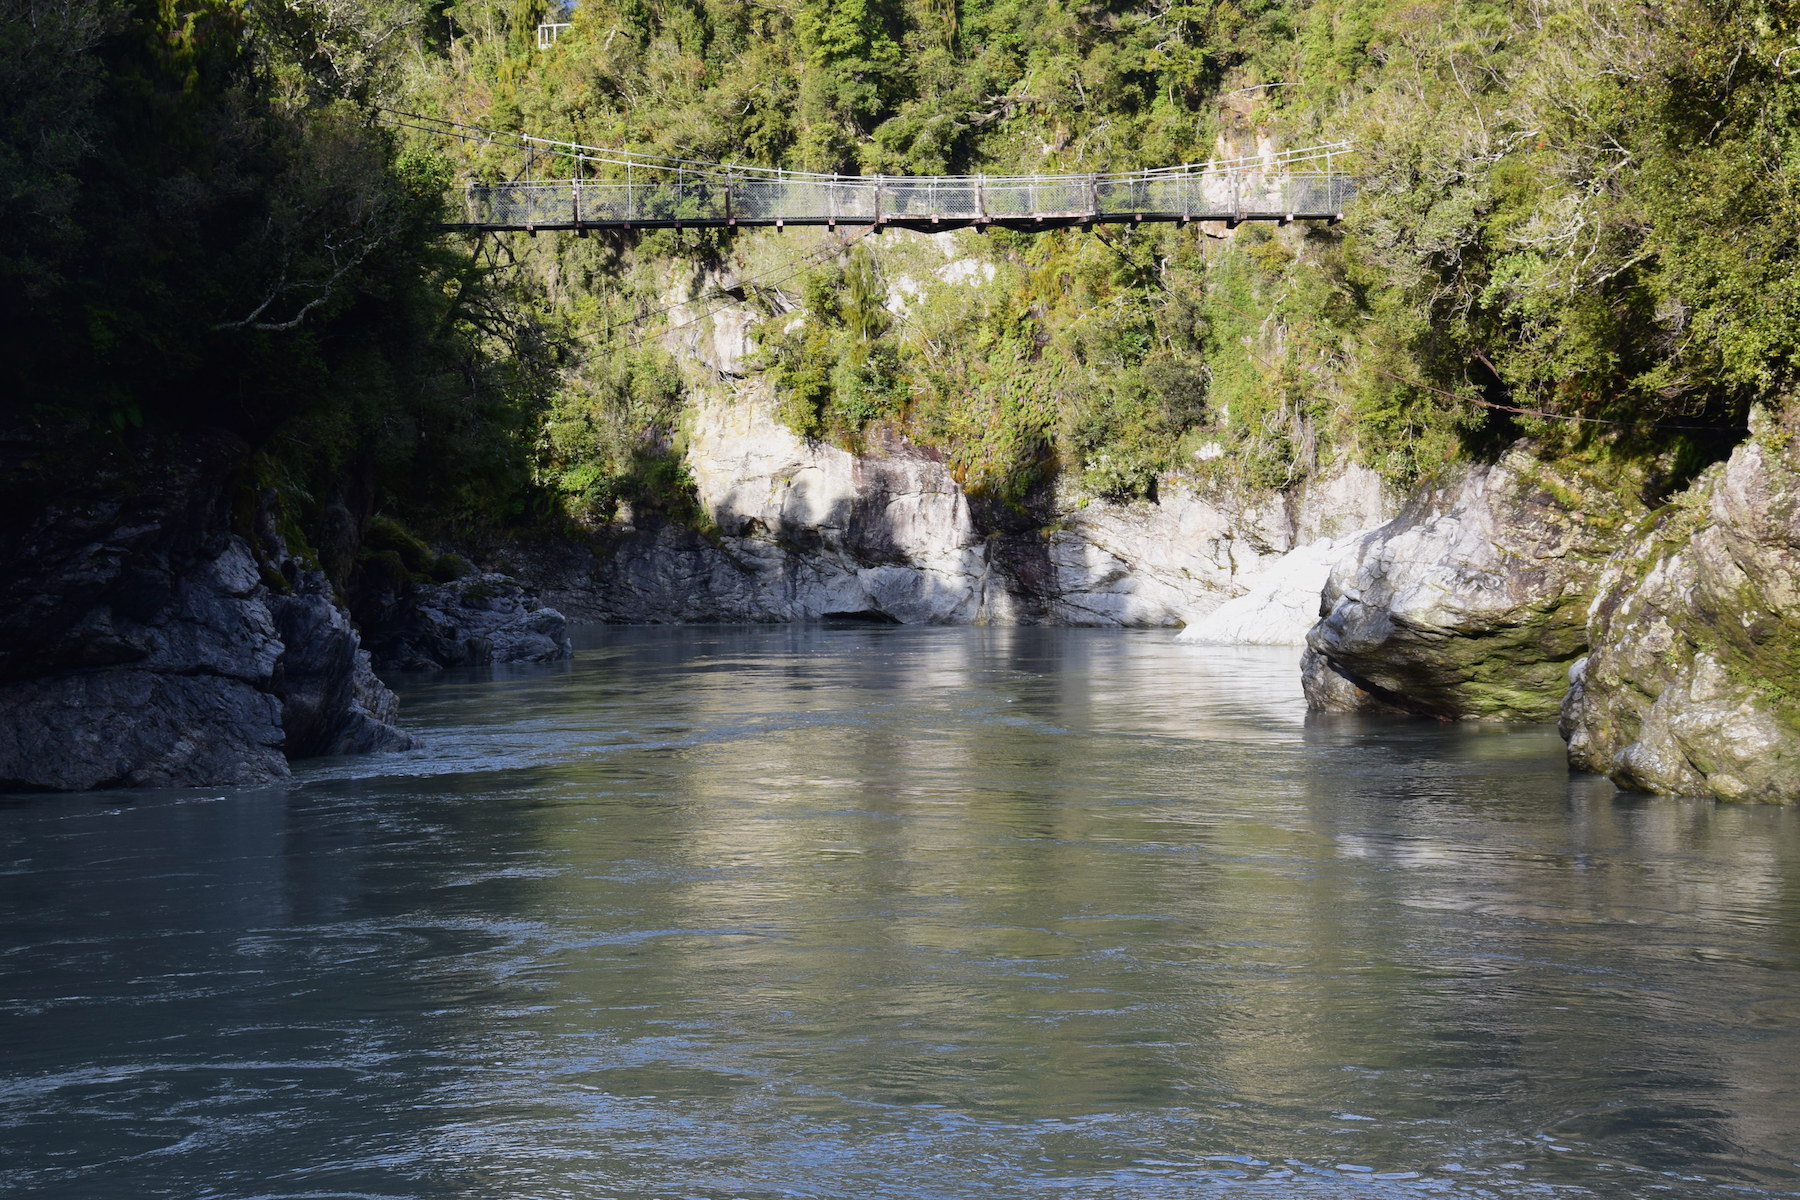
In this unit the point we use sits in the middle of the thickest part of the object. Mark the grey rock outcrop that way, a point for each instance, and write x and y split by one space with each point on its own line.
803 531
331 700
1693 685
1472 603
474 621
143 642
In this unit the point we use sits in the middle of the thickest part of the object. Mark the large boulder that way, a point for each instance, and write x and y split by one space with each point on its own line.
331 700
1472 603
1693 684
154 633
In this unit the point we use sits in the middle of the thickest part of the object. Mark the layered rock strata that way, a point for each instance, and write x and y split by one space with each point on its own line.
1472 603
1693 685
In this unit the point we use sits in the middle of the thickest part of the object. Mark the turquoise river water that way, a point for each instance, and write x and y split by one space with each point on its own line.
900 912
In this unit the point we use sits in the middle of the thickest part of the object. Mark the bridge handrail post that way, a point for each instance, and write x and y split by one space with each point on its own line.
1093 191
878 179
981 196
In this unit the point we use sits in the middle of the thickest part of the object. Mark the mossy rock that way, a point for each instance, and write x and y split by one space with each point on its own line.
383 572
1692 684
386 535
1473 603
447 568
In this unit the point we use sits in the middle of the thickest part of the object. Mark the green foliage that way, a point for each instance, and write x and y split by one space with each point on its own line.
612 439
851 58
385 535
1594 218
1577 221
831 369
210 230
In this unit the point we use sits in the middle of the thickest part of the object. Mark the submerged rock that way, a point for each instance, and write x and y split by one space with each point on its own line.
473 621
1472 603
145 642
1693 685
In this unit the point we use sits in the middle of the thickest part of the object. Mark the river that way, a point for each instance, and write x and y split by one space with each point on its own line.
901 912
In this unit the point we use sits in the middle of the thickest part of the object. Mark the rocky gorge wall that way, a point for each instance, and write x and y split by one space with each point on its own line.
799 530
165 633
1484 597
805 531
157 630
1692 685
152 636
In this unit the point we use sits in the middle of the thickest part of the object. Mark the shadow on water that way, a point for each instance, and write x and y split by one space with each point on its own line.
890 911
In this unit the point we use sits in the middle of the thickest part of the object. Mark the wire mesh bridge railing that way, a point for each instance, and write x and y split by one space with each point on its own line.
563 185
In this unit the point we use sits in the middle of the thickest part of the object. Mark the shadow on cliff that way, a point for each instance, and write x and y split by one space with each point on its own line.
904 545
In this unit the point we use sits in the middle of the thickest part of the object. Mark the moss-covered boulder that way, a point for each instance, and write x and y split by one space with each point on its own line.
1472 603
1693 685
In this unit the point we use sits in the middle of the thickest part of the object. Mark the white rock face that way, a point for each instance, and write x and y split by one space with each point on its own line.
807 530
888 535
966 270
1472 603
1178 560
1282 603
716 337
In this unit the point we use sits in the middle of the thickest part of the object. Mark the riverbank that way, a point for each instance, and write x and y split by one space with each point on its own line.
1529 588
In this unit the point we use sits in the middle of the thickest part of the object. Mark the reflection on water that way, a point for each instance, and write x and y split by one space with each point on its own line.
909 913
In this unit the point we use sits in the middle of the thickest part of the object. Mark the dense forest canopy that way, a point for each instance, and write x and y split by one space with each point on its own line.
207 229
1577 221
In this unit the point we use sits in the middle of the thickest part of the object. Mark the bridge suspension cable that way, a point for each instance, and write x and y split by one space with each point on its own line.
562 184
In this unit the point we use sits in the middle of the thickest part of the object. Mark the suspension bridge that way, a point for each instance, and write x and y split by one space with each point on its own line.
531 184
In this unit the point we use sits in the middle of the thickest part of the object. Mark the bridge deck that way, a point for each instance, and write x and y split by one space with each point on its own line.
1030 203
1035 224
